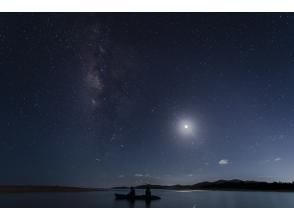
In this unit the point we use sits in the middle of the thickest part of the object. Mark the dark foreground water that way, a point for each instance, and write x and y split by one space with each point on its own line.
170 199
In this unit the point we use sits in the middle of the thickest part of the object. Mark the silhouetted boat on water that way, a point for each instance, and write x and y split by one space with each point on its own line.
139 197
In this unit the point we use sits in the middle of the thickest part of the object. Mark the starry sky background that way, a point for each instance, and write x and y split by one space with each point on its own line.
96 99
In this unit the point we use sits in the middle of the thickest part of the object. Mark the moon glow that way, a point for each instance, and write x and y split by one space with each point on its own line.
186 127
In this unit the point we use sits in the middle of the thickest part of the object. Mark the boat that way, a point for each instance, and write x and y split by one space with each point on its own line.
138 197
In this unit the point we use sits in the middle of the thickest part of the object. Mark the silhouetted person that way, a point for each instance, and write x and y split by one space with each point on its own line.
132 194
148 193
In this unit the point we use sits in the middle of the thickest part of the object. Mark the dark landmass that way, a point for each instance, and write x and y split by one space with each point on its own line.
232 185
20 189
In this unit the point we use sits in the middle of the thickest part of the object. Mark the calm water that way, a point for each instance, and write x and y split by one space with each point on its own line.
174 199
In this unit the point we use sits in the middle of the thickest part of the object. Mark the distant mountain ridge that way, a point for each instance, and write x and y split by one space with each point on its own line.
234 184
229 185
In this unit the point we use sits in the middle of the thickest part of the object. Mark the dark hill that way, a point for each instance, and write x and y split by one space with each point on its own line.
234 184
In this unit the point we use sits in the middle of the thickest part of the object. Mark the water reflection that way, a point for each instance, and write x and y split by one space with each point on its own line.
169 199
147 204
131 204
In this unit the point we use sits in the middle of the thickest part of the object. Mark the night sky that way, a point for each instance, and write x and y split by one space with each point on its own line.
109 99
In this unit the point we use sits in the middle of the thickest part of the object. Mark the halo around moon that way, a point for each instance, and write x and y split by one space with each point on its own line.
186 127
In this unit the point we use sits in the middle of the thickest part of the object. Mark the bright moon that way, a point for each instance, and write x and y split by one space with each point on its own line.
186 127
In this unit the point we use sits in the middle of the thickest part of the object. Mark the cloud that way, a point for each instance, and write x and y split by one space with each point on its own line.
277 159
223 162
190 175
139 175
